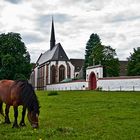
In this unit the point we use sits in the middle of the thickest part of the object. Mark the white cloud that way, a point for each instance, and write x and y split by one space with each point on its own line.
117 22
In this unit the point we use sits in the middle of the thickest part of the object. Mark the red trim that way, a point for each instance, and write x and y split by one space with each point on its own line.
122 77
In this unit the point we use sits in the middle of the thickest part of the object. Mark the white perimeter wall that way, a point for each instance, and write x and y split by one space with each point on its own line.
106 84
119 84
68 86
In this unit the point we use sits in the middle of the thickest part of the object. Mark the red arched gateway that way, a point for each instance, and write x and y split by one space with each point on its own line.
92 81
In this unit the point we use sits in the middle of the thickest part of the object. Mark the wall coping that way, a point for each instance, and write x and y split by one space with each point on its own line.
96 66
74 81
121 77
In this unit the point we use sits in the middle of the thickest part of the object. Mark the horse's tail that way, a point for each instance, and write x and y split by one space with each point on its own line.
28 96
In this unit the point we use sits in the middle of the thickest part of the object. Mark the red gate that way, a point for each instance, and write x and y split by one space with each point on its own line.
92 81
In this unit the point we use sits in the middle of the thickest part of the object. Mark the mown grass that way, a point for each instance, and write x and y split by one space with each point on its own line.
82 115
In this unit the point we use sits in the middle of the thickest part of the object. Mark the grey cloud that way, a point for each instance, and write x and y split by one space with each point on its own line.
122 37
43 24
44 21
109 34
110 19
14 1
76 53
124 48
60 18
34 53
32 38
89 4
122 16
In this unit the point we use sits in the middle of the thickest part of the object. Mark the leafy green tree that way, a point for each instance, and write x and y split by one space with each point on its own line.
105 55
96 54
92 43
133 67
14 58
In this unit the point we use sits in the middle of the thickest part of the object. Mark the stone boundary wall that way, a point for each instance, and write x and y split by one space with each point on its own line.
105 84
68 86
119 84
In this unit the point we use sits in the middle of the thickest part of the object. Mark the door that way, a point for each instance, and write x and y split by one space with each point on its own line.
92 81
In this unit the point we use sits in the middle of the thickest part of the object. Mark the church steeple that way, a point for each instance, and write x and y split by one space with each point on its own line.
52 40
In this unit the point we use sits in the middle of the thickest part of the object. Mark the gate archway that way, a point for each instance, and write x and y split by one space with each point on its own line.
92 81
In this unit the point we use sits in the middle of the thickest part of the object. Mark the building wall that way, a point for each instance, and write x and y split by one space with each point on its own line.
59 63
119 84
105 84
98 70
35 79
72 69
68 86
126 83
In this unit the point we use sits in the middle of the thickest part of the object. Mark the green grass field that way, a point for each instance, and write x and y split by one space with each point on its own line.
81 115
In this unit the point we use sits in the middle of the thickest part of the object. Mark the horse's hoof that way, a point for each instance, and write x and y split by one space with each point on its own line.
15 126
7 122
22 124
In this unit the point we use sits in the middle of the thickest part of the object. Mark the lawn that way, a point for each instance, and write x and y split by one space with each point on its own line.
81 115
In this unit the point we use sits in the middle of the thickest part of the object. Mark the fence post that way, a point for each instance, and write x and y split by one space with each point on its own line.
108 88
133 88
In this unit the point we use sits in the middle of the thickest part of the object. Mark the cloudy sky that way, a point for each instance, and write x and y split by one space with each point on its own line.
117 22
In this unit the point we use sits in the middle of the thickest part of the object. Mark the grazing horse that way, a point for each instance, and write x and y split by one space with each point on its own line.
15 93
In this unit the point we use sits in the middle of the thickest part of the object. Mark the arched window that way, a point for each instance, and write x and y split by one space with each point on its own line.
53 75
61 73
68 71
76 75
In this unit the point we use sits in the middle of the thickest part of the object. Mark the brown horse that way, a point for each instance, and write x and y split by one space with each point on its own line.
15 93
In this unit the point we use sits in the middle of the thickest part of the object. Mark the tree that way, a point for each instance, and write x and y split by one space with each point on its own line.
96 54
14 58
92 43
133 67
105 55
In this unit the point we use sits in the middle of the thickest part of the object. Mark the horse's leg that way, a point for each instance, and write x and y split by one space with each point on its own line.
1 109
15 115
7 120
22 123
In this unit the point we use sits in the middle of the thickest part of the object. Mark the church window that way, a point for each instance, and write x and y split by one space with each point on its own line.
40 77
46 74
61 73
68 71
53 74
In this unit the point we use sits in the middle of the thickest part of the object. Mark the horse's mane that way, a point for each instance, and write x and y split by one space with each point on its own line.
28 96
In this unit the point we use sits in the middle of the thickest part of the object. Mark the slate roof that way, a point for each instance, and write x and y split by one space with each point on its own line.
77 63
57 53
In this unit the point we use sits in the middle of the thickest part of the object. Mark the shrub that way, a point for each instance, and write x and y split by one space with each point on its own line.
52 93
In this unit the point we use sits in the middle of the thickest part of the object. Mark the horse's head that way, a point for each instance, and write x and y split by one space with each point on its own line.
33 119
30 101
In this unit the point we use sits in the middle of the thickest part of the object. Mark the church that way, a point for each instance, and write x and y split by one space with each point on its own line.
53 66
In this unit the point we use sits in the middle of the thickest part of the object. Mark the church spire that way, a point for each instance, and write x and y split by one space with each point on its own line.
52 40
